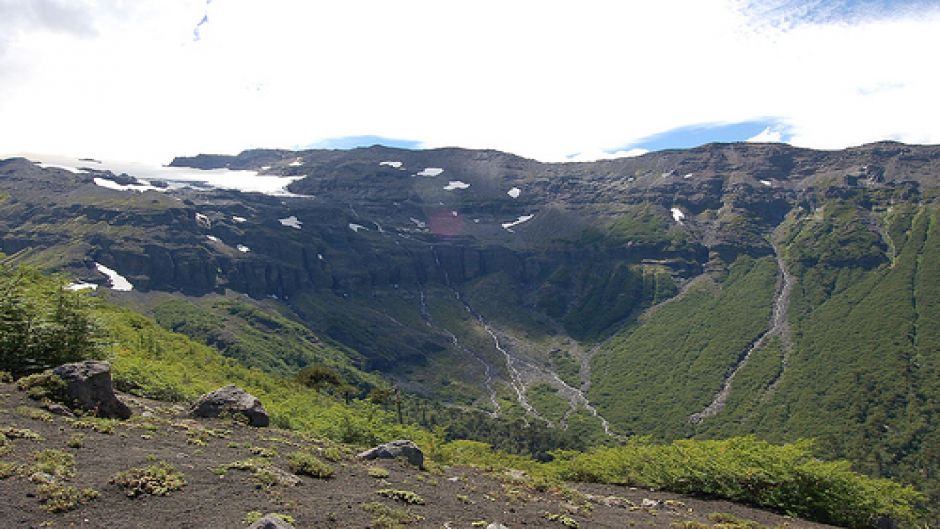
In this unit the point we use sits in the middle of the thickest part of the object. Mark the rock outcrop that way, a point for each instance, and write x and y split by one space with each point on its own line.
88 386
233 400
270 521
395 449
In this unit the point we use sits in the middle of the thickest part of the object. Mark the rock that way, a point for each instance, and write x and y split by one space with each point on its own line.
496 526
88 386
269 521
885 522
59 409
648 503
231 399
395 449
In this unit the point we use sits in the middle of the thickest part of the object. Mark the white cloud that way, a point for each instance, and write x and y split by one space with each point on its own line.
126 80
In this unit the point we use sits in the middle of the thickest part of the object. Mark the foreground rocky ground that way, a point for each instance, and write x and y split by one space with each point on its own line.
233 473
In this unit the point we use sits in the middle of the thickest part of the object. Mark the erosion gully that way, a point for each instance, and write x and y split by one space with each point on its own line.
778 327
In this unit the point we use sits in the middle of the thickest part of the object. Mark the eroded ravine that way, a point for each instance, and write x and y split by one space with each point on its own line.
778 327
487 368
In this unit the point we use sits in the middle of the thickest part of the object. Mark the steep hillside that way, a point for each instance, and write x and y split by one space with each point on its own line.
727 289
61 464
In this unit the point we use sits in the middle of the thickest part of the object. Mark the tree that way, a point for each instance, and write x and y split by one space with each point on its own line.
42 324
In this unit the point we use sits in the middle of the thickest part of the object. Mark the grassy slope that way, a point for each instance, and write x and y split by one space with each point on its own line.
652 376
152 361
862 376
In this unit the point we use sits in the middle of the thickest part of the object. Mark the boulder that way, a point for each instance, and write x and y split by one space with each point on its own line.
395 449
88 386
234 400
269 521
496 526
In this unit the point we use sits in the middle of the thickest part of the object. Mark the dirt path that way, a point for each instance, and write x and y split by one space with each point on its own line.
778 326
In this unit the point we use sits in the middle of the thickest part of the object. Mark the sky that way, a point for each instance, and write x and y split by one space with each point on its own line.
146 80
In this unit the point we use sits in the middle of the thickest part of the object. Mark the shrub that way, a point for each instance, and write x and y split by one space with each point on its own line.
56 463
307 464
60 498
157 480
43 386
378 472
787 478
405 496
386 517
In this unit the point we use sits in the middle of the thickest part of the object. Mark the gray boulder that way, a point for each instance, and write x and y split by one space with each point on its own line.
395 449
88 386
234 400
271 522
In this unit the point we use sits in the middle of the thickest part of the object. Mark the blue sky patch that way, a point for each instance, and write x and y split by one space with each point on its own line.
695 135
351 142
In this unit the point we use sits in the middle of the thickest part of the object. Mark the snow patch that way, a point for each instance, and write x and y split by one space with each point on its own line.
396 165
456 184
320 256
238 219
296 163
242 248
203 220
291 222
687 176
212 238
68 168
677 215
357 227
111 184
176 177
75 287
514 192
430 171
117 281
265 167
418 223
767 183
522 218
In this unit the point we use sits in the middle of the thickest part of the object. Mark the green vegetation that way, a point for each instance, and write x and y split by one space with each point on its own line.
646 225
405 496
787 478
388 517
699 337
56 463
155 362
254 516
308 465
43 386
157 480
378 472
57 497
564 519
43 325
256 336
613 293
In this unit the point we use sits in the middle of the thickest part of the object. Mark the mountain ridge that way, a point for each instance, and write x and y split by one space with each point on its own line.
410 266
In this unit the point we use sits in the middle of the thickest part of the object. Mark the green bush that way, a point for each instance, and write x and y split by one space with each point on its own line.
787 477
158 480
307 464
